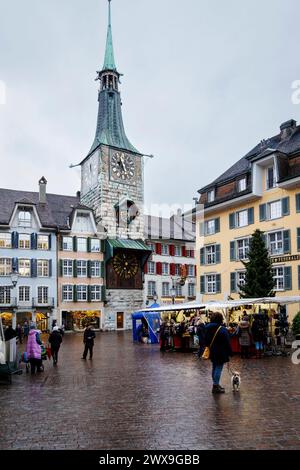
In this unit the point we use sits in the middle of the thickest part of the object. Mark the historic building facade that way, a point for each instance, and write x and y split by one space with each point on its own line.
262 190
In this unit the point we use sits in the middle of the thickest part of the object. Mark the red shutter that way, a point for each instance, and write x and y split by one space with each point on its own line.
183 251
146 268
158 248
195 270
172 250
159 268
192 253
172 269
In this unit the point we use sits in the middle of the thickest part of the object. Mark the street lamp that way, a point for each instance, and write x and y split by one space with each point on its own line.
173 294
155 297
14 276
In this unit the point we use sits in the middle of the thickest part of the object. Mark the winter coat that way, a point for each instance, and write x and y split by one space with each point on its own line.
34 345
9 334
257 331
220 350
55 340
88 337
200 332
244 334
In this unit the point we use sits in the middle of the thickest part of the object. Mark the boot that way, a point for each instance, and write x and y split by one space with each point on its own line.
218 389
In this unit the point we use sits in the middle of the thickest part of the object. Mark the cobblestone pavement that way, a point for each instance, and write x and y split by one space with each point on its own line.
135 397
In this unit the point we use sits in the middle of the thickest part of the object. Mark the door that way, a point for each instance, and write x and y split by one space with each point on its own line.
120 320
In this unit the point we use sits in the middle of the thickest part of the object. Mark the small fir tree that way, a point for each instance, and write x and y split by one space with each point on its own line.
259 280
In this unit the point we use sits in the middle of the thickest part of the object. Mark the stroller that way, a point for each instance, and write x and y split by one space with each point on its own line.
44 356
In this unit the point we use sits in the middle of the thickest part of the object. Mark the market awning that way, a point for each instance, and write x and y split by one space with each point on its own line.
114 244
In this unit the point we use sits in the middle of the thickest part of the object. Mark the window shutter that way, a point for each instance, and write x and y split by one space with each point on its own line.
202 230
251 216
15 240
288 278
146 268
299 277
75 268
202 256
298 239
232 282
218 254
49 242
285 206
61 268
33 267
265 239
33 241
218 283
102 273
102 246
298 202
192 253
287 241
89 293
172 269
89 268
74 243
262 212
232 251
195 270
202 284
183 252
159 268
15 264
217 225
75 293
88 243
172 250
61 239
158 248
50 267
232 221
103 293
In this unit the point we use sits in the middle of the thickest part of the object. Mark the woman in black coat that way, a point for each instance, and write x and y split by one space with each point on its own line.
55 340
217 338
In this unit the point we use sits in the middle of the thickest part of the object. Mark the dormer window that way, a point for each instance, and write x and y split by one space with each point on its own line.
24 218
211 195
271 182
242 184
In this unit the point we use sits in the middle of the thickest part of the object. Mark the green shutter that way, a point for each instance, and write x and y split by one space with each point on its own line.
217 225
232 282
61 268
262 212
218 283
298 202
89 294
288 278
103 293
202 284
285 206
88 244
102 246
299 277
75 268
232 220
61 239
287 241
89 268
75 293
218 254
298 239
202 256
74 243
233 251
251 216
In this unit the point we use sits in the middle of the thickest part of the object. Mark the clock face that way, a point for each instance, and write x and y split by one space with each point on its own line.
122 167
126 265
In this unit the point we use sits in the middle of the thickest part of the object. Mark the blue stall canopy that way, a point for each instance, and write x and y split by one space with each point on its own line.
152 320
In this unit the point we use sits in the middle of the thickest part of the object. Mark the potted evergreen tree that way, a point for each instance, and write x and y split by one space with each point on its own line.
296 326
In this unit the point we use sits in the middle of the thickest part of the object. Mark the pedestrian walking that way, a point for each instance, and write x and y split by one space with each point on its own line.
88 339
55 340
244 337
34 351
26 329
9 333
200 332
217 339
19 333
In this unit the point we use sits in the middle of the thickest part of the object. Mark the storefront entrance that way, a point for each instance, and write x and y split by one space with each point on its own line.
120 320
22 317
41 320
7 318
79 320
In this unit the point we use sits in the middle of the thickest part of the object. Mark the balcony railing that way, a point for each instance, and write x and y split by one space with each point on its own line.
49 302
12 302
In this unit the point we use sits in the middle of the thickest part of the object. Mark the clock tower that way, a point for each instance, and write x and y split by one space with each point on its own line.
112 184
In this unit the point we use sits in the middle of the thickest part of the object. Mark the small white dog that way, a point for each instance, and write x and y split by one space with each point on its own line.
236 381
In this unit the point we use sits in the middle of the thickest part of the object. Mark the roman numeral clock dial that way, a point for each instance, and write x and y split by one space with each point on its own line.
122 167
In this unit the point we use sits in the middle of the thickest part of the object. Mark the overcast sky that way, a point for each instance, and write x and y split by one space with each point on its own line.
204 82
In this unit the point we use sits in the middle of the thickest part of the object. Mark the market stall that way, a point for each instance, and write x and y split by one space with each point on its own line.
145 326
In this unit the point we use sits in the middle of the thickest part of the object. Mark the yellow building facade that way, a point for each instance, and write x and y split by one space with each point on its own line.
261 191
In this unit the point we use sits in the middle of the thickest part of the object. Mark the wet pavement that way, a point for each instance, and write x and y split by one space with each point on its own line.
135 397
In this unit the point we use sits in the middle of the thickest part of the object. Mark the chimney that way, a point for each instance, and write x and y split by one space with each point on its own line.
287 129
42 190
78 194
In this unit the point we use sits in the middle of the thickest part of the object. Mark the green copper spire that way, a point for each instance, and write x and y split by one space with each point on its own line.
109 60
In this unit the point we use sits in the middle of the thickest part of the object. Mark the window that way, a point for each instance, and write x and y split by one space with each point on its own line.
165 269
82 268
241 278
5 266
83 222
211 284
67 244
151 288
151 267
43 268
191 270
211 196
242 185
151 246
95 268
67 293
271 183
242 218
5 240
42 295
178 251
211 226
278 276
24 294
82 293
67 268
95 293
243 248
275 210
5 295
166 289
275 243
191 290
43 242
210 253
190 253
177 270
24 267
24 241
165 250
95 245
178 289
24 218
82 245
